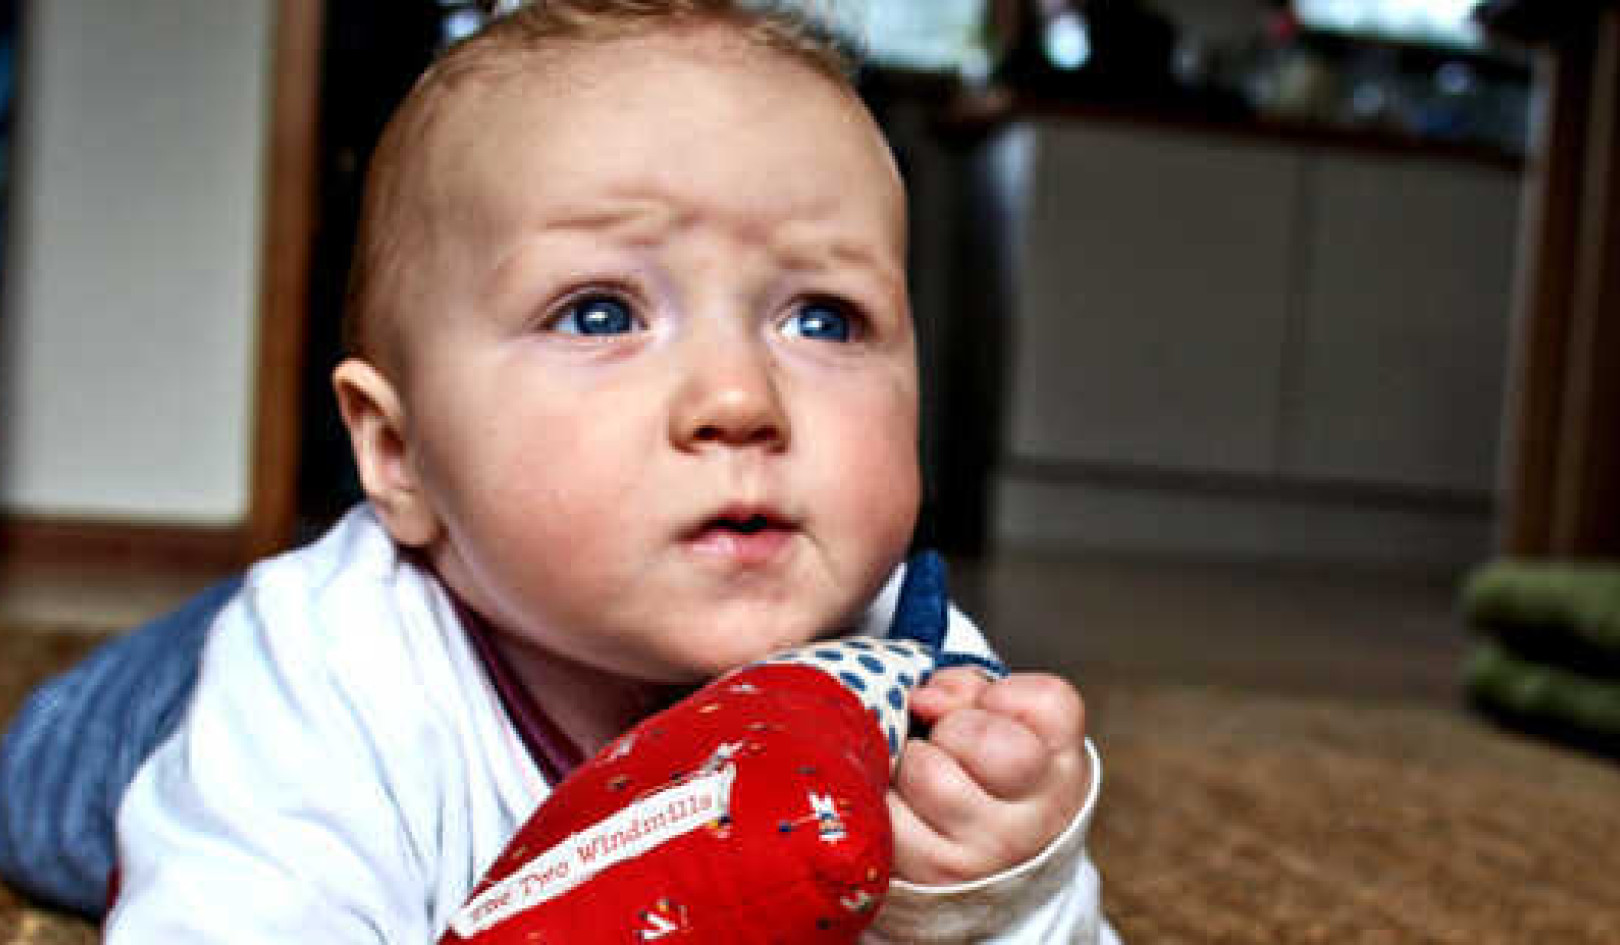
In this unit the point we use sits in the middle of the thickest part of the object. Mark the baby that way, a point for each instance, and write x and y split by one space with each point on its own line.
633 399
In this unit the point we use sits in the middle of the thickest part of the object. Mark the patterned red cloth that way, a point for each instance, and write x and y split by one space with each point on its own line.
752 811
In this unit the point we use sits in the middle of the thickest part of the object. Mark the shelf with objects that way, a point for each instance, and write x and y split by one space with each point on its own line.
1263 71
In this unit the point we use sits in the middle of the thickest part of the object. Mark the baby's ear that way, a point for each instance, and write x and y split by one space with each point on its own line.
375 416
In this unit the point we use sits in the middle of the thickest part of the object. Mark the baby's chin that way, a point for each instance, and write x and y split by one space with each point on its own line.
701 665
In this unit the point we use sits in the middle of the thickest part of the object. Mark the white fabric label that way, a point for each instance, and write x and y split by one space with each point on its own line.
627 834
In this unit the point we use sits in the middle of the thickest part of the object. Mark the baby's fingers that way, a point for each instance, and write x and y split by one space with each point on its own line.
1047 704
946 691
1002 756
940 834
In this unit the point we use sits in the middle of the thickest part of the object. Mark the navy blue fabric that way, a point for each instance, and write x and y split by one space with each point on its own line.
76 743
923 613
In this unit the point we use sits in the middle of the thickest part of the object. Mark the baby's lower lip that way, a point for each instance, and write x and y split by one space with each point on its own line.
744 548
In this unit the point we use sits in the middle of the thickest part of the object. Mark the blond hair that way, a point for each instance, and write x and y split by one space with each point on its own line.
511 45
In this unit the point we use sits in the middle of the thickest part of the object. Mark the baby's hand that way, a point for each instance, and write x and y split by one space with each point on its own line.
1000 776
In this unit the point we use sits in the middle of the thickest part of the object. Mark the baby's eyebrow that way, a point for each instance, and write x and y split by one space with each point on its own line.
633 222
842 253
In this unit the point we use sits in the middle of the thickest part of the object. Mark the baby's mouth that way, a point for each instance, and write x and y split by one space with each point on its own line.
743 537
752 525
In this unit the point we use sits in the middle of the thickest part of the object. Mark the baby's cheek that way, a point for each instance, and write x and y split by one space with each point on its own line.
884 489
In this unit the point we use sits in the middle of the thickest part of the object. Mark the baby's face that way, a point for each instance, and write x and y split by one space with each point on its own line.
658 370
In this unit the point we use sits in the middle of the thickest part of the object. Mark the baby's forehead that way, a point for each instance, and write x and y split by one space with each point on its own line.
472 133
522 115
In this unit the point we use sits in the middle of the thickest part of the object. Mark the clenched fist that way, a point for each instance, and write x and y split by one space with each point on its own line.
1000 775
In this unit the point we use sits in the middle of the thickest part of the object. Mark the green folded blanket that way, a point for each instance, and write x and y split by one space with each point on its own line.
1552 699
1564 613
1547 650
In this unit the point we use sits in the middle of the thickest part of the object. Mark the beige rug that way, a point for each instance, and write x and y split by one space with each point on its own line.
1249 819
1236 818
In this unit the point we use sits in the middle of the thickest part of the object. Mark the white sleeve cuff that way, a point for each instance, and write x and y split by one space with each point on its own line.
987 909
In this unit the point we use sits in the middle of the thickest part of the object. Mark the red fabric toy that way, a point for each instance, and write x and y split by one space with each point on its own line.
751 811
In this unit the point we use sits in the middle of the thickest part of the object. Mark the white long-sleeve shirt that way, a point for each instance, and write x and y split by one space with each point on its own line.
346 772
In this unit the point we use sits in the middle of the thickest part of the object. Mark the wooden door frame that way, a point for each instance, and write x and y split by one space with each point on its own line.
1562 471
288 218
286 256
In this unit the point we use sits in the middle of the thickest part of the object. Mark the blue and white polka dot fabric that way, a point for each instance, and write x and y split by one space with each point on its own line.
882 672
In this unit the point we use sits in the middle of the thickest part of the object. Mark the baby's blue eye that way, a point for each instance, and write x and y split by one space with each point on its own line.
597 315
820 321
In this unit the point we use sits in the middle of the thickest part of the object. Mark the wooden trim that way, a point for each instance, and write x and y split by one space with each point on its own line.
289 232
1586 518
38 540
1546 287
1562 478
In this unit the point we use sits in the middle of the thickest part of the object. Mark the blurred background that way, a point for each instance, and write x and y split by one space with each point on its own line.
1249 327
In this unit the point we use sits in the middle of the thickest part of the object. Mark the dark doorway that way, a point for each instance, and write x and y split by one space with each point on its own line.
373 51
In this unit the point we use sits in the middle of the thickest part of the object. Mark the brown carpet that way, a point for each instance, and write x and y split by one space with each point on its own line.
1233 818
1237 818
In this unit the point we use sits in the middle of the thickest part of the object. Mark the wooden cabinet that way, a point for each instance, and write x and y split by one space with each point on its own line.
1232 327
1153 281
1399 350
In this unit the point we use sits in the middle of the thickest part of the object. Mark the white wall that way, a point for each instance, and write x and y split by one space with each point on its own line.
127 353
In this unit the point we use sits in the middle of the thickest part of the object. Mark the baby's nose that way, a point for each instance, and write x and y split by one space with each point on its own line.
729 397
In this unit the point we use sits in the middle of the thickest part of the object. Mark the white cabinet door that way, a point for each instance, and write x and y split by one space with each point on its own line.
1396 372
1154 291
